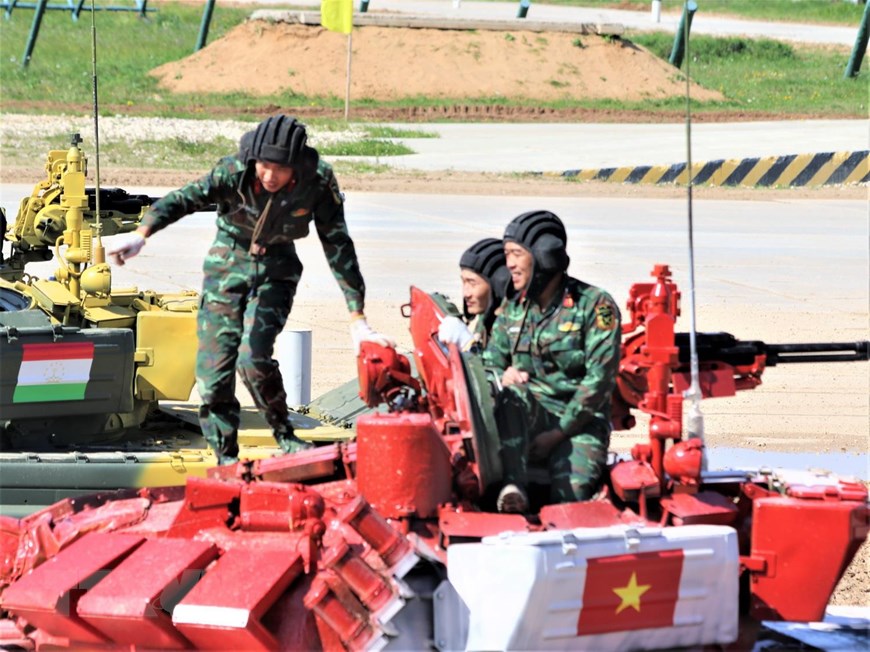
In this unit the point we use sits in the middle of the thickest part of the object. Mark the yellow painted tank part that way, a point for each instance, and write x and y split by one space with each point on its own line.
96 280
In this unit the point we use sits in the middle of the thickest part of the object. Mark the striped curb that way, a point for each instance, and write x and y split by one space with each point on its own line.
812 170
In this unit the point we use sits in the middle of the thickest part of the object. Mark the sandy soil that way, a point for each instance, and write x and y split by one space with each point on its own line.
263 58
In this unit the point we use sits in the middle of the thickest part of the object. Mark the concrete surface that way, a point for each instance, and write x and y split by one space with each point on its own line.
779 254
548 147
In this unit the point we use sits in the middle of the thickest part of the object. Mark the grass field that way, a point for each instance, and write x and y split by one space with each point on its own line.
838 12
760 77
754 75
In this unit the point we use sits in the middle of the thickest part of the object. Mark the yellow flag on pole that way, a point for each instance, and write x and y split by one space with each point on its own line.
337 15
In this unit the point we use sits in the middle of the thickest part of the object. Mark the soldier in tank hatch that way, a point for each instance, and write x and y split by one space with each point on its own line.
484 281
555 346
267 196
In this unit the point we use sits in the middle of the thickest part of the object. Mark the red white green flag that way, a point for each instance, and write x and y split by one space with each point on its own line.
54 372
624 592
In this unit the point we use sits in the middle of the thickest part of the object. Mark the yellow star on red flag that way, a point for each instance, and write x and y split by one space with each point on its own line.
612 594
630 594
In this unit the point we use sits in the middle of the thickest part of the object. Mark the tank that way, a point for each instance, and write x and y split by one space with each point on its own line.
390 541
95 379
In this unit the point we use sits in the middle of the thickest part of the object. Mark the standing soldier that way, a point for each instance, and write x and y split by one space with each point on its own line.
484 281
556 347
267 195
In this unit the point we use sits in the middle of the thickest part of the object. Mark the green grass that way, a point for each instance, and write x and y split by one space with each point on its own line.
753 76
379 131
797 11
128 47
770 76
365 148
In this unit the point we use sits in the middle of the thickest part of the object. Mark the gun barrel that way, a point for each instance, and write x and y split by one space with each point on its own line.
818 352
724 347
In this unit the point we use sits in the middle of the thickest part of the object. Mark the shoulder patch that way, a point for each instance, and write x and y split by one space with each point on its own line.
336 193
605 315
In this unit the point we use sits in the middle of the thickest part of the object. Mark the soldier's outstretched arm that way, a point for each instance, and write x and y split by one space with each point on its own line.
196 195
337 244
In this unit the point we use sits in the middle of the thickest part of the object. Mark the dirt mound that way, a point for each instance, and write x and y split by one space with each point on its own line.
263 58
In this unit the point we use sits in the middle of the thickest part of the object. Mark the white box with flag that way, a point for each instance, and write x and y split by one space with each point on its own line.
611 588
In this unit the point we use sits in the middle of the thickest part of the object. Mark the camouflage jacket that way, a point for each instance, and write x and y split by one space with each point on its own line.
570 349
241 200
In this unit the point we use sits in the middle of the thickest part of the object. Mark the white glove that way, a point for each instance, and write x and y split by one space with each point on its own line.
454 331
360 332
125 246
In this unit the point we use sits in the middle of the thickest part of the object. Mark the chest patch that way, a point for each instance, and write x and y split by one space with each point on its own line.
300 212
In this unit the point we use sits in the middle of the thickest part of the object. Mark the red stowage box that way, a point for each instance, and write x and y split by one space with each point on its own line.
48 597
223 610
132 606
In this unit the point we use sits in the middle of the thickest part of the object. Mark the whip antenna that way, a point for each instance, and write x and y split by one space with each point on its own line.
99 252
695 423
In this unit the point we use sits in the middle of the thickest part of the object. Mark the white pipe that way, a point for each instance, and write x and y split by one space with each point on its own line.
293 353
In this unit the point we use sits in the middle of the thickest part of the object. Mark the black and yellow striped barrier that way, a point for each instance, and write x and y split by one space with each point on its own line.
811 170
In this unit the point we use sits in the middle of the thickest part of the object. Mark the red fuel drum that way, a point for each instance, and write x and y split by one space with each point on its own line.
403 465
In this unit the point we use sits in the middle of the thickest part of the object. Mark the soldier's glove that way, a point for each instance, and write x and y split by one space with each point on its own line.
360 332
454 331
125 246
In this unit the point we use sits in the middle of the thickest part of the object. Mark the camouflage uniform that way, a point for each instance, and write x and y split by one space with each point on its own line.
570 349
247 297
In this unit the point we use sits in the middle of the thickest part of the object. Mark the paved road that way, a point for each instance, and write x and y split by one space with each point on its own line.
702 23
559 147
778 255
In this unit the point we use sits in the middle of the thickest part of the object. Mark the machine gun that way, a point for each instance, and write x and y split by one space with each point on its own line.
60 210
654 370
742 353
137 346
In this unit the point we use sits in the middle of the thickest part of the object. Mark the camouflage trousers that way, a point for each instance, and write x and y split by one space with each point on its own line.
575 467
245 303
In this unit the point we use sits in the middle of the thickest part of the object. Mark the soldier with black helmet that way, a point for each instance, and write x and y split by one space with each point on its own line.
267 196
555 346
484 280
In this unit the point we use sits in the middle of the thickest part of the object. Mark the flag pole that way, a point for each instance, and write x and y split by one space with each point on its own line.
347 90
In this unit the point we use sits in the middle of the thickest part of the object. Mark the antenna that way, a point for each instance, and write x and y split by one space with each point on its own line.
99 252
695 424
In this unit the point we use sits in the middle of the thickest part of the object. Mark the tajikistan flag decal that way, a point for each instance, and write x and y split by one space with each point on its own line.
54 372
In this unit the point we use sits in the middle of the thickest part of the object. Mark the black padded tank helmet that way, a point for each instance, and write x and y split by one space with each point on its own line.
486 257
543 235
280 139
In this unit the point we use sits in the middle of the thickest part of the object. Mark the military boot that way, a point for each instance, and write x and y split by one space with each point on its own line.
288 441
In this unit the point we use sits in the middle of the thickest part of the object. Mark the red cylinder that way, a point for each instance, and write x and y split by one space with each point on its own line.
403 465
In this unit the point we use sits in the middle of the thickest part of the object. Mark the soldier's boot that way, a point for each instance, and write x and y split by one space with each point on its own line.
512 499
287 439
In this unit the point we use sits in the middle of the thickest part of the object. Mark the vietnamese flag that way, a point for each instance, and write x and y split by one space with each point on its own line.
636 591
54 372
